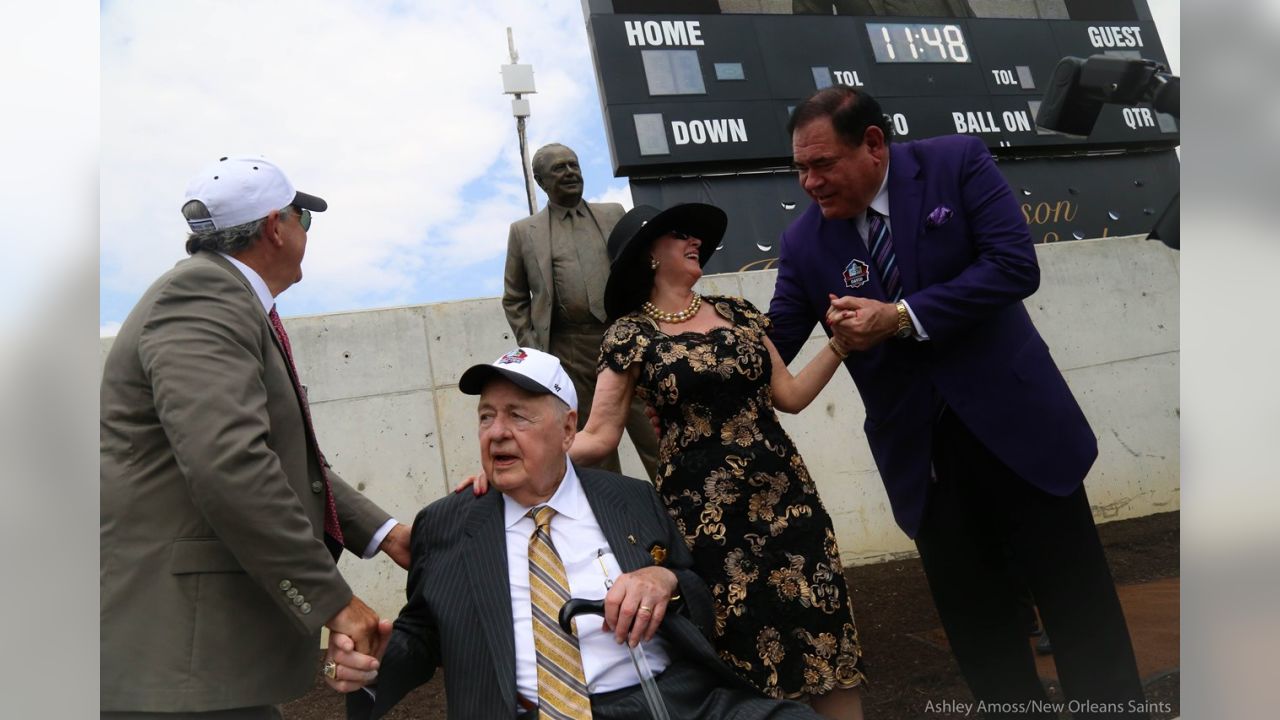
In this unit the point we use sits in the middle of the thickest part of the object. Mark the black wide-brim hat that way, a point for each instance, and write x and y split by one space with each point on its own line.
630 277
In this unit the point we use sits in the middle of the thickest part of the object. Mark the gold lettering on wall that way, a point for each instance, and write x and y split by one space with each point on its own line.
765 264
1049 213
1043 213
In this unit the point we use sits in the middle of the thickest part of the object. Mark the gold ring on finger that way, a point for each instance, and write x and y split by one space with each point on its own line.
646 609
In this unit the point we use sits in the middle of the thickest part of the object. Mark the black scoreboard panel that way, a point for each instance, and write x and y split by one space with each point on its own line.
1062 198
1012 51
711 134
791 63
715 91
696 100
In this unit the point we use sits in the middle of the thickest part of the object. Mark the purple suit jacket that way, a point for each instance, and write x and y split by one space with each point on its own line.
965 279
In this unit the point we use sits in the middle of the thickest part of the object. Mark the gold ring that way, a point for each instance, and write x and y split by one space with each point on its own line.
331 669
646 609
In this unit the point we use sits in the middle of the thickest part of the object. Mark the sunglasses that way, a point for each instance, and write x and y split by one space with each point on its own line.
679 235
304 216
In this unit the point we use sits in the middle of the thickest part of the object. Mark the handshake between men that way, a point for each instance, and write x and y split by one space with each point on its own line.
357 623
634 608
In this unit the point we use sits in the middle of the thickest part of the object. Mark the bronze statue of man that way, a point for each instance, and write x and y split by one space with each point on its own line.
554 286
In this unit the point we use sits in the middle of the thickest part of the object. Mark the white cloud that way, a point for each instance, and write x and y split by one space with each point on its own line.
109 329
619 192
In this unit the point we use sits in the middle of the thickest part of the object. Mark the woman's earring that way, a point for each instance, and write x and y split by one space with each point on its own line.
653 263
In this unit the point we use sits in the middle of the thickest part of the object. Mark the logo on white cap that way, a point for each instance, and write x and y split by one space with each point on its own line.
515 356
533 370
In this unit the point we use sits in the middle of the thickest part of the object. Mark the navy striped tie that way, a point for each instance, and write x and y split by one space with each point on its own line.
880 242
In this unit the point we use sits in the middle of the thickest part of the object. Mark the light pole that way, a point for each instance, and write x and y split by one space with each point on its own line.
517 80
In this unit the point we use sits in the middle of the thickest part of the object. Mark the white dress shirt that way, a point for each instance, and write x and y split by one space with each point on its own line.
263 293
582 547
881 205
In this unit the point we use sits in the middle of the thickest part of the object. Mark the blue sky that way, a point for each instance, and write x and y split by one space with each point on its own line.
391 111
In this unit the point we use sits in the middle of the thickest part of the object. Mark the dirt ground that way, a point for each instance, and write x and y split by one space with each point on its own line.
895 619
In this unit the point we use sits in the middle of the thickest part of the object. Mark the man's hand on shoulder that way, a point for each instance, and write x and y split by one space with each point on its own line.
396 545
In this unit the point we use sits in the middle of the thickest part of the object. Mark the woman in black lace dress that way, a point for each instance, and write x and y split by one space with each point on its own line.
728 472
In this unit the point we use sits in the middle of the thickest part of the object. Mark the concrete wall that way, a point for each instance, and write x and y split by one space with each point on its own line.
383 386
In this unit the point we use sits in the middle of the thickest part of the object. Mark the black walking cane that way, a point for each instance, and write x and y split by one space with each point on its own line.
648 685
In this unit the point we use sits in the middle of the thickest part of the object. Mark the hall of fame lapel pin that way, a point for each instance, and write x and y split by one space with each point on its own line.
658 553
856 273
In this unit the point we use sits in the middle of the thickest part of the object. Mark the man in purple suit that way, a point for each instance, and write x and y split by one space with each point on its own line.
982 447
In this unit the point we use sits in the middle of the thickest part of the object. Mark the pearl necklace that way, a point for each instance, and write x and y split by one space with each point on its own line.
673 318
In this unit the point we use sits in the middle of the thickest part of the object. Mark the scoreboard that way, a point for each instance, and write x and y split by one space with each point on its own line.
716 89
696 104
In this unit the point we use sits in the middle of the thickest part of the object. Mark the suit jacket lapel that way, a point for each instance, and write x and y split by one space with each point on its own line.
905 197
592 269
223 263
487 557
628 535
607 504
295 383
540 236
843 244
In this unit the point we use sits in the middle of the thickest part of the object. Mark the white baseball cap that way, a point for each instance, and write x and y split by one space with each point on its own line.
241 189
533 370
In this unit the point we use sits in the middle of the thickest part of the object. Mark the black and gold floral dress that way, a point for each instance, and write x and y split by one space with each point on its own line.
740 494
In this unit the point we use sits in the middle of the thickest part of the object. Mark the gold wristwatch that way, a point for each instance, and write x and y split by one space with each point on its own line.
905 328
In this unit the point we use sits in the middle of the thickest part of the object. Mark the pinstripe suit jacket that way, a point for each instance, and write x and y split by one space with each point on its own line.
458 613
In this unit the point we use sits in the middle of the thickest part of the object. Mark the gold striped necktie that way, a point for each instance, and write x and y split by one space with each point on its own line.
562 686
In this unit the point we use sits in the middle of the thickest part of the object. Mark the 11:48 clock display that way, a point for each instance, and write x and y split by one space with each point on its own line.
918 43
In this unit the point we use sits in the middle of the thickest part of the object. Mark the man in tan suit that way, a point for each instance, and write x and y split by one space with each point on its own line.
221 520
554 286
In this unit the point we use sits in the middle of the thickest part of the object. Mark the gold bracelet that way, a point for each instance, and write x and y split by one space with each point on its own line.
835 348
905 329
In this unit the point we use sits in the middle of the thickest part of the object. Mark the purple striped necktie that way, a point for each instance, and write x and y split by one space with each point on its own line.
880 243
331 527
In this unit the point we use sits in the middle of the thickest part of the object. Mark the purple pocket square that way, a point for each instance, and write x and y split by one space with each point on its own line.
939 216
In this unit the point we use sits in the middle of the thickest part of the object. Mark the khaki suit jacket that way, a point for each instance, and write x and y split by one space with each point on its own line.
528 297
215 578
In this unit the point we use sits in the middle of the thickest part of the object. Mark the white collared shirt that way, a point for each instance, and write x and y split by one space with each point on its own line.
263 293
582 547
256 282
880 203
